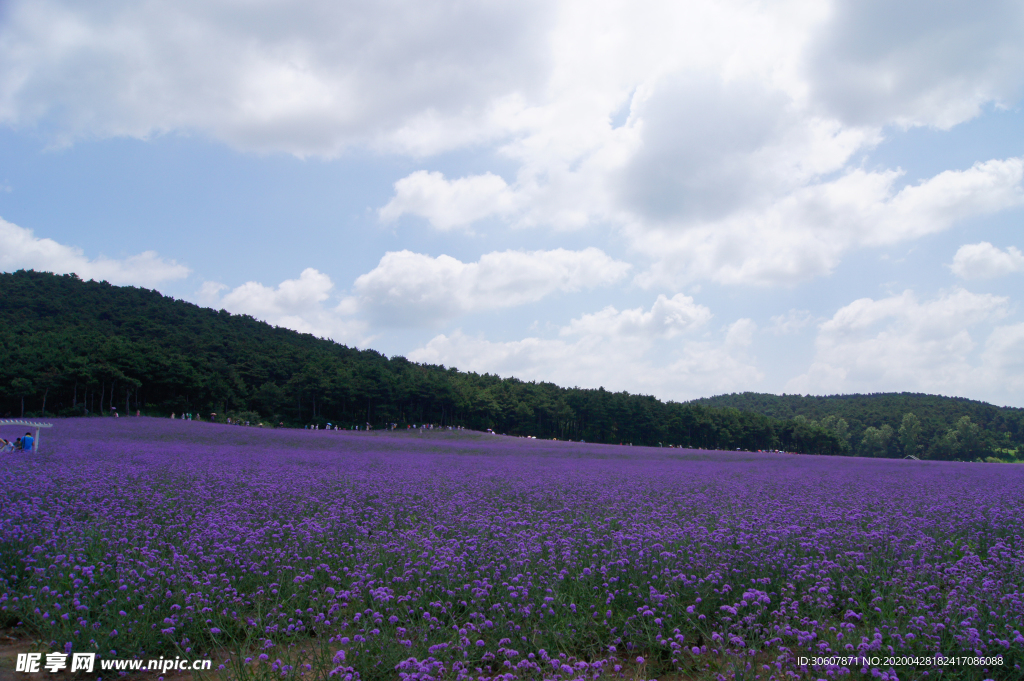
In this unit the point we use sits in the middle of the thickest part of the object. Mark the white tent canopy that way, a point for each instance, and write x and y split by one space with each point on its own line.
31 424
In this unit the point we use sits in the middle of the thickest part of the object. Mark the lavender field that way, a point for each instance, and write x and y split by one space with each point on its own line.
450 555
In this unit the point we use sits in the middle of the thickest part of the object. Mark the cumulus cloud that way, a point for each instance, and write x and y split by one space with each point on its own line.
805 233
662 351
302 304
412 289
985 261
936 203
21 249
915 62
667 318
710 146
447 204
308 79
736 157
740 333
902 343
1003 360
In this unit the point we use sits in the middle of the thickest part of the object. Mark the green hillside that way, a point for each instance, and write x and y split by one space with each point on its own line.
874 421
69 347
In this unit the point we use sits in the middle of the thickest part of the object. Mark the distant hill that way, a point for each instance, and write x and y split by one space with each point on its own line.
71 347
1001 429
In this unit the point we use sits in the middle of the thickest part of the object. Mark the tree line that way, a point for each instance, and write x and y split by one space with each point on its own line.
898 424
70 347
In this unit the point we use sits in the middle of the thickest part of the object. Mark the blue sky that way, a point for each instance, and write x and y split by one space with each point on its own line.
678 199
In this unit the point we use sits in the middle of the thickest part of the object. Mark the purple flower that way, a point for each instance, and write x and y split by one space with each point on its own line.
205 523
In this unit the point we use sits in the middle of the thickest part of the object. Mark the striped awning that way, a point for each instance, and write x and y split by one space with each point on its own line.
23 422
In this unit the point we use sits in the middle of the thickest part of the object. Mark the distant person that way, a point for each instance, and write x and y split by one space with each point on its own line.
26 442
6 445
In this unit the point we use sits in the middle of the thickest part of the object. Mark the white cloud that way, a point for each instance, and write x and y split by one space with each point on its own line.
985 261
740 333
915 62
737 160
936 203
447 204
901 343
658 351
20 249
1003 360
667 318
414 289
301 304
710 146
310 78
792 322
805 233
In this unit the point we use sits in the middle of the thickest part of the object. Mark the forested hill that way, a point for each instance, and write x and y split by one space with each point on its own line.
69 347
875 421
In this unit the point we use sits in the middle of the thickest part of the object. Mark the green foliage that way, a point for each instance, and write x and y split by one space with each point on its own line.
926 426
841 428
910 431
70 347
962 441
875 441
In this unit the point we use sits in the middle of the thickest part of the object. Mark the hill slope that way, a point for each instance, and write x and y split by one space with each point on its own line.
73 347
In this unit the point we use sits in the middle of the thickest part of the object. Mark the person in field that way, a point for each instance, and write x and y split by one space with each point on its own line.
26 442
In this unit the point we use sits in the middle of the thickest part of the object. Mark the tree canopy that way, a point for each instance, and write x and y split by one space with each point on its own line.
899 424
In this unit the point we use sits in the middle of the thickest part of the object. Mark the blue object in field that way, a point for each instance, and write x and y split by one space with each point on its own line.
33 442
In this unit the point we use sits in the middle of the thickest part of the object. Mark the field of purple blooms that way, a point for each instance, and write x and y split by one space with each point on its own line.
456 555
